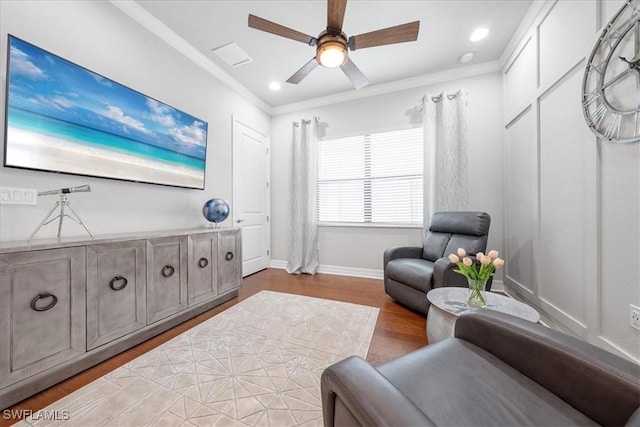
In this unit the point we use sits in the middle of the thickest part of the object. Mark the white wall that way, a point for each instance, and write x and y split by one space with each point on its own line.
572 203
572 208
362 248
98 36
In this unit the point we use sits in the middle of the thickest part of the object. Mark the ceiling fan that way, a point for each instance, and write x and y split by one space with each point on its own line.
332 44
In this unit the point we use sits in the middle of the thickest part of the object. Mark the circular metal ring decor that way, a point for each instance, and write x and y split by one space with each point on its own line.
228 256
203 262
611 81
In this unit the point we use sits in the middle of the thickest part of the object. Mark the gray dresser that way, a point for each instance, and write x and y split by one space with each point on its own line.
68 304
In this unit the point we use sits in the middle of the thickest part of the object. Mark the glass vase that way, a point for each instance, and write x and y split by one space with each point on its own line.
477 296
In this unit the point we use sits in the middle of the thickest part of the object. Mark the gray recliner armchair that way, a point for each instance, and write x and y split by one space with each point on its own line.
498 370
411 272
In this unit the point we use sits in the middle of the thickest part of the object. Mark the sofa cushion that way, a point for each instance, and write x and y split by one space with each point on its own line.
414 272
473 223
434 245
471 244
481 390
412 298
634 421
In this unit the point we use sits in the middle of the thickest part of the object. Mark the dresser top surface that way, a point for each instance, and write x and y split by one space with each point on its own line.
65 242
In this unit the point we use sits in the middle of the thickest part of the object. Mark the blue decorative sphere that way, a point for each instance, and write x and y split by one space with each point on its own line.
215 210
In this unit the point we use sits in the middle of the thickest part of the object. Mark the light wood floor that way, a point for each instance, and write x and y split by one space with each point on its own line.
398 330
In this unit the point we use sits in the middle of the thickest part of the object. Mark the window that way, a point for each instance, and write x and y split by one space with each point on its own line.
371 179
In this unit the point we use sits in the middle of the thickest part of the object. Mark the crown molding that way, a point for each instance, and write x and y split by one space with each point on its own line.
532 18
395 86
154 25
136 12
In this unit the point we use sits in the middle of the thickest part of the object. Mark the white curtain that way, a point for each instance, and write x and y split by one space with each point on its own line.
445 153
303 240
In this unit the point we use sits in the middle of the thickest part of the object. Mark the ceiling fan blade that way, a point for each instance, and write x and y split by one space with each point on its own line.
280 30
398 34
355 75
335 14
303 72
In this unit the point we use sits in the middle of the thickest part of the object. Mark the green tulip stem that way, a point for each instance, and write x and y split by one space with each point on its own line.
475 293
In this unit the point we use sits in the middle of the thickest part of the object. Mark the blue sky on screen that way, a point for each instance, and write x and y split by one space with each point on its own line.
49 85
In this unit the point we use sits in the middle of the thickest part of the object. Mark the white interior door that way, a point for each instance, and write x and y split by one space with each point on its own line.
251 195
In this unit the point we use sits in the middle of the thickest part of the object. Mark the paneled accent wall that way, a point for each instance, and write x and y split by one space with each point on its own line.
572 201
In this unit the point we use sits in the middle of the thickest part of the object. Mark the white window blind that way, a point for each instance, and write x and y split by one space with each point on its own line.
374 178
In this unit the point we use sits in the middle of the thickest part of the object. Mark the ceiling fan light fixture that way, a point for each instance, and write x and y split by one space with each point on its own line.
332 45
332 53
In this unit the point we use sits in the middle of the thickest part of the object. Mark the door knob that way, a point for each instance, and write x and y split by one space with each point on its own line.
239 221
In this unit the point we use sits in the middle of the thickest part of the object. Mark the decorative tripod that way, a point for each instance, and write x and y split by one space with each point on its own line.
62 203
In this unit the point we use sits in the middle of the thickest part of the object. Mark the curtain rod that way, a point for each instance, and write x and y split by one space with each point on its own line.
438 98
306 122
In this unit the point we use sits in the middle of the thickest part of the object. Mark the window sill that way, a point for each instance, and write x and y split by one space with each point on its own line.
367 225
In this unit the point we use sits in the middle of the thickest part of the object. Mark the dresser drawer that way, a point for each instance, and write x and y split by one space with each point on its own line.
116 290
203 270
229 261
42 311
166 277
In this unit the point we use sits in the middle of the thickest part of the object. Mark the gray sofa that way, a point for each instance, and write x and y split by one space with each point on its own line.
411 272
498 370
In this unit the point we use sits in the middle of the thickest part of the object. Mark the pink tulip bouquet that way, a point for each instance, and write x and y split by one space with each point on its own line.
477 274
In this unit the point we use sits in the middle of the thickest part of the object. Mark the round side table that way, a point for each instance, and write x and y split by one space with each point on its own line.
449 303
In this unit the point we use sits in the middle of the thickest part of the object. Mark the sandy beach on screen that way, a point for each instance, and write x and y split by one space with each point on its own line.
37 151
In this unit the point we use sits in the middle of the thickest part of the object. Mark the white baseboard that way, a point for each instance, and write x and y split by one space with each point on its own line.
338 269
369 273
276 263
497 286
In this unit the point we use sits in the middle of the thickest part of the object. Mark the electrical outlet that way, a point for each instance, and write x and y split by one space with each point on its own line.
634 317
18 196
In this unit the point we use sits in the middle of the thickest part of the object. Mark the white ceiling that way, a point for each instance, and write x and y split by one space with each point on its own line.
445 26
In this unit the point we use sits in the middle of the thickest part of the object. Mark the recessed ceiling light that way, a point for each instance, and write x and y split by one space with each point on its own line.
478 34
274 86
467 57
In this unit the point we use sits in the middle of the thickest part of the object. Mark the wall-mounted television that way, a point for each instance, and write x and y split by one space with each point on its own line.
61 117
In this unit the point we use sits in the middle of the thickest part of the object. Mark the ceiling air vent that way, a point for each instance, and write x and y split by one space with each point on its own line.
232 54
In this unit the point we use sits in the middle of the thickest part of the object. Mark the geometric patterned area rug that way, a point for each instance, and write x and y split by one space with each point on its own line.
257 363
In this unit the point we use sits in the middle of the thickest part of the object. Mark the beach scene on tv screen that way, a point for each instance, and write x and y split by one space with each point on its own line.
64 118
